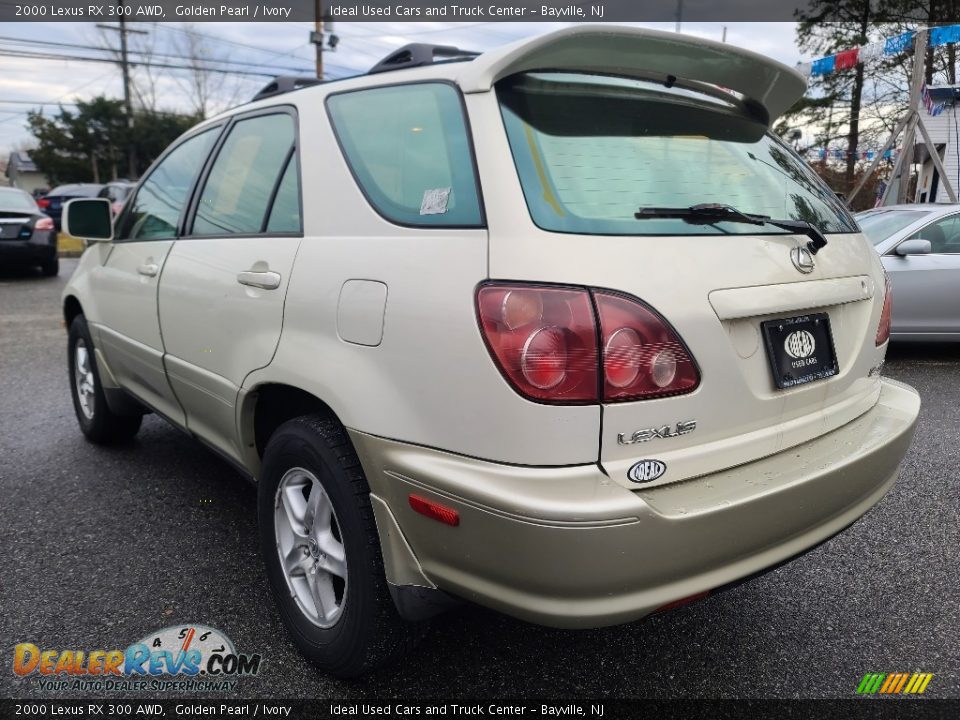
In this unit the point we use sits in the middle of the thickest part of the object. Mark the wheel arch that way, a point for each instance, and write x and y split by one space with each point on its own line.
71 308
267 406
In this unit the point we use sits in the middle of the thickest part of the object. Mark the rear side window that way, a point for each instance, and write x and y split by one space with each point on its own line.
240 188
409 150
156 209
285 213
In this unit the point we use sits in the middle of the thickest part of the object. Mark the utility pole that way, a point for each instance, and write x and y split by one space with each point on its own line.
319 31
127 101
323 23
679 14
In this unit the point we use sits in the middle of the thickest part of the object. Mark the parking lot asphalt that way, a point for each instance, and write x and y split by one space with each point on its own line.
99 546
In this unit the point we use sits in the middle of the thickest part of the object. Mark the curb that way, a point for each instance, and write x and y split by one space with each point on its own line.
69 246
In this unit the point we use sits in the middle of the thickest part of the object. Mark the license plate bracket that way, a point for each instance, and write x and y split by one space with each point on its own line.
800 349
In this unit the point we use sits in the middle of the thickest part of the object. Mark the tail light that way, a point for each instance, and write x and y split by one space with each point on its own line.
43 203
551 347
43 223
543 339
642 355
883 331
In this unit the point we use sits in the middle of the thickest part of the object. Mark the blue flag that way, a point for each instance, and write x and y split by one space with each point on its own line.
823 66
898 43
944 35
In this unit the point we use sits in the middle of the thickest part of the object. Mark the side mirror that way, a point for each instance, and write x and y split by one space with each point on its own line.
88 219
916 246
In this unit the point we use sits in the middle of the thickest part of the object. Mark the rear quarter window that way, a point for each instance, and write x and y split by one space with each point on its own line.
409 150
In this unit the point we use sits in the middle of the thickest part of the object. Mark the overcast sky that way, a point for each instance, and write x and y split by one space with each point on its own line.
271 46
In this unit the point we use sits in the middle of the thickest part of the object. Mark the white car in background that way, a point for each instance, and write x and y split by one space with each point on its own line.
561 329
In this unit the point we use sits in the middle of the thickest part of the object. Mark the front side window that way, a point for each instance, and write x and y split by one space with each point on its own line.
409 150
155 211
944 235
592 150
237 196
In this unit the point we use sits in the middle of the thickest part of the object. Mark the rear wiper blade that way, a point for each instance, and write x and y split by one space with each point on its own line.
709 213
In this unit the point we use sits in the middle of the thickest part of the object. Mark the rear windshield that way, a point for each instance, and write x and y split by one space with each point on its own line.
879 226
591 150
17 201
77 190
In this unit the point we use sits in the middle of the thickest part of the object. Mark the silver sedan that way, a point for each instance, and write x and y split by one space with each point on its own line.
919 246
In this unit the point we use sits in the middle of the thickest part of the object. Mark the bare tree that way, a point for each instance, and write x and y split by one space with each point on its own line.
208 92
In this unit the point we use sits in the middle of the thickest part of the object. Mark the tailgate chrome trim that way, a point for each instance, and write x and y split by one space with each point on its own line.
734 303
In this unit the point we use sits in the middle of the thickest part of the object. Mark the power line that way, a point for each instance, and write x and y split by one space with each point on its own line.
50 43
35 102
34 55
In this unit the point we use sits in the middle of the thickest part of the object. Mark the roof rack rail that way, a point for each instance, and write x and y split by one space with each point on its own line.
284 84
418 55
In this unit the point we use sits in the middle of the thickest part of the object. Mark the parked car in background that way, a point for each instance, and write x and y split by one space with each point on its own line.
919 247
27 236
117 193
534 329
52 203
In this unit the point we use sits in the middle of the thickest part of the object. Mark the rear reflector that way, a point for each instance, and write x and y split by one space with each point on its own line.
435 511
682 601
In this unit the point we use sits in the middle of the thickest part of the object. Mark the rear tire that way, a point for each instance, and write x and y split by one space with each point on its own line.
51 268
97 422
322 552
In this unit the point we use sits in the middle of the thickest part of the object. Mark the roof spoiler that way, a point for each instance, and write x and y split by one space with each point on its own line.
766 85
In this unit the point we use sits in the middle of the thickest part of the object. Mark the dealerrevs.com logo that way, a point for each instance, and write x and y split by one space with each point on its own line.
182 657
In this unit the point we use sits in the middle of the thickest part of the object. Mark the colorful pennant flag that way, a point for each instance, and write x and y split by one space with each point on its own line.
898 43
846 59
944 34
823 66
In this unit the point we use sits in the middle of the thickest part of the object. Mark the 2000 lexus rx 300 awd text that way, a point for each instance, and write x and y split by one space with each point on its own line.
561 329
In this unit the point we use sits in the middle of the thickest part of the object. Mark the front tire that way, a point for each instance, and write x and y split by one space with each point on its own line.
97 422
322 552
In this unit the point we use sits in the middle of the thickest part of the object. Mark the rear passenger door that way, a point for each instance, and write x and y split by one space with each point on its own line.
224 282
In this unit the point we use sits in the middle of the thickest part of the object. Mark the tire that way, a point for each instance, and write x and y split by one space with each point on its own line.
97 422
358 629
51 268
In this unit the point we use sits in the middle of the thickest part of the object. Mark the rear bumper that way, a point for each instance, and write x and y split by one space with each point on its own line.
42 247
568 547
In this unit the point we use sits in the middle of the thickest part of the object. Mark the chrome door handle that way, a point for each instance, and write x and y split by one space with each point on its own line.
148 269
268 280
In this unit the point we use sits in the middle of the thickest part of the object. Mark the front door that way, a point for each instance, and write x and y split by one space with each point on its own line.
926 288
128 327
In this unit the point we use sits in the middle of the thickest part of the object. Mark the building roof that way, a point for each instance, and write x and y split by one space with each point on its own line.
21 163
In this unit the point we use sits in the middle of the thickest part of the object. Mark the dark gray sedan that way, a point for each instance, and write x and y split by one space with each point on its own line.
27 235
919 246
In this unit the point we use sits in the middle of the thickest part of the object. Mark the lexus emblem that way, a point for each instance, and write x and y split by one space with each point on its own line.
646 471
799 344
802 259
